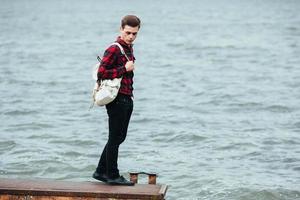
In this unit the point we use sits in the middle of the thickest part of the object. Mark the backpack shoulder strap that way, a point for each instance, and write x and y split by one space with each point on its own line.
121 48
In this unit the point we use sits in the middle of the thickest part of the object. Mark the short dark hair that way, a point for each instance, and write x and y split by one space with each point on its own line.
130 20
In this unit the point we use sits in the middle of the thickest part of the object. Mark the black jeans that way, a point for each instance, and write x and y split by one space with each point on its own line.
119 113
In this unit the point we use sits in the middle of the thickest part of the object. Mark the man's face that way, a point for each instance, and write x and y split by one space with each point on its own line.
128 34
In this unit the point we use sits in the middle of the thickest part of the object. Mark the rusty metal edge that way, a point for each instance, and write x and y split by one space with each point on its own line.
7 191
163 191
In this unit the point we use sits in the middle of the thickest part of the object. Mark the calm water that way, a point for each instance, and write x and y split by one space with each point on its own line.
217 89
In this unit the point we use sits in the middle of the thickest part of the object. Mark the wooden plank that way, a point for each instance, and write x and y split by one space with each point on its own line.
15 197
84 190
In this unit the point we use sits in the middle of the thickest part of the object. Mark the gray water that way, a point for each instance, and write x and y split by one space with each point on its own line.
217 89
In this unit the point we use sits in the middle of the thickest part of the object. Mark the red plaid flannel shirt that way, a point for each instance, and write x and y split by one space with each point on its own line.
113 66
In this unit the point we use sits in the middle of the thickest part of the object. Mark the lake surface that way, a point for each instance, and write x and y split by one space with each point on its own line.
217 94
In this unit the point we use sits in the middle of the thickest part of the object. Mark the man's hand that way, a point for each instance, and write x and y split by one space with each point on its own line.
129 66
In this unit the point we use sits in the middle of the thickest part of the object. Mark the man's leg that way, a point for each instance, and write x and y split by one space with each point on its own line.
101 169
119 113
119 117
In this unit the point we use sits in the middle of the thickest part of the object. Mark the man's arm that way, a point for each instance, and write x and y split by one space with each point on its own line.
106 70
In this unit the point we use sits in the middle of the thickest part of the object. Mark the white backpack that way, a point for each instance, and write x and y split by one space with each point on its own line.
109 88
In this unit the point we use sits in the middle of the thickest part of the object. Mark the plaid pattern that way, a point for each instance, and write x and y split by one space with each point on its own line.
113 66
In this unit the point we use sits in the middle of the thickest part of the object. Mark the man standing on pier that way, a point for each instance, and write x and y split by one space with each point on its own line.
115 65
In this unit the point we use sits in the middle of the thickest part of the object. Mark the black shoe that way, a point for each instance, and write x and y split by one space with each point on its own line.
119 181
100 177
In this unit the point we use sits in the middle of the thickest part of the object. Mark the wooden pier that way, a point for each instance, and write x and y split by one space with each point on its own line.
41 189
